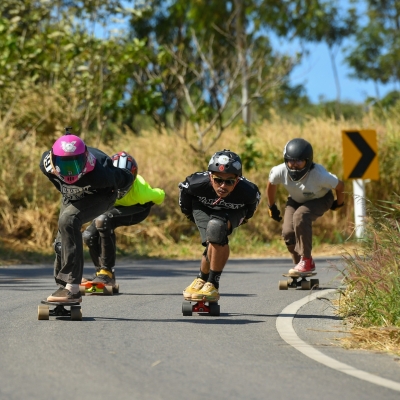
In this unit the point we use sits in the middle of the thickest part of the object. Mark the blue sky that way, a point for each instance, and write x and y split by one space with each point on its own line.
316 74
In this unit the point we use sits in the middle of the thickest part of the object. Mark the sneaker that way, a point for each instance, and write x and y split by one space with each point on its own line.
105 276
305 265
88 279
194 287
207 293
64 295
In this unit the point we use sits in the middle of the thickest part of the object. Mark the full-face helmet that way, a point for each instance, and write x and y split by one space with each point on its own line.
126 161
69 156
226 161
298 149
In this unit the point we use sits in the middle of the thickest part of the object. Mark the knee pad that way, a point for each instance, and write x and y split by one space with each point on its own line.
90 239
57 248
104 225
217 230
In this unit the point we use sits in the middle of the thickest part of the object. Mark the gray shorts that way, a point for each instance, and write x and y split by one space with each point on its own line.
204 214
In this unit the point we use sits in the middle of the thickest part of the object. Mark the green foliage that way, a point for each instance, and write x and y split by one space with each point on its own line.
376 51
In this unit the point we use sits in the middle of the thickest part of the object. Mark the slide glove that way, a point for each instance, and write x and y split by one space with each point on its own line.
335 205
274 213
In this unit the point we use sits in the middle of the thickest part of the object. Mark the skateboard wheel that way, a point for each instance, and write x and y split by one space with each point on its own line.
314 283
187 310
283 285
82 289
214 309
108 290
116 288
305 285
43 312
76 313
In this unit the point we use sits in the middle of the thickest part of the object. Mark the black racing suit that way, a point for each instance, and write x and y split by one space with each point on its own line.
197 194
93 194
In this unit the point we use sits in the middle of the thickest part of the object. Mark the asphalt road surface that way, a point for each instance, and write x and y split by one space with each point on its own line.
138 345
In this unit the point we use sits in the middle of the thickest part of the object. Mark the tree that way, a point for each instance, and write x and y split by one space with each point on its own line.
377 50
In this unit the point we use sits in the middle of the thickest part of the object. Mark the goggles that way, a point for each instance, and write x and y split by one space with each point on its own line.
69 166
219 181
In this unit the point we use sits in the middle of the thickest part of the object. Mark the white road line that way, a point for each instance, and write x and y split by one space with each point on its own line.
284 325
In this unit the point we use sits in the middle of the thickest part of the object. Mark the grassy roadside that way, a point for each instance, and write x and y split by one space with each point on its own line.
370 302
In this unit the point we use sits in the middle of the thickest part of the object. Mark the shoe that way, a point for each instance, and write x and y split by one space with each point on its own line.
105 276
305 265
194 287
89 279
207 293
64 295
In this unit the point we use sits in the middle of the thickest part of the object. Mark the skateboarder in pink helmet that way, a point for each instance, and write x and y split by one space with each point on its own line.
89 184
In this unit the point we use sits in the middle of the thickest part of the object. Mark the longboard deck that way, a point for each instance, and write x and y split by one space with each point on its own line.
61 303
300 275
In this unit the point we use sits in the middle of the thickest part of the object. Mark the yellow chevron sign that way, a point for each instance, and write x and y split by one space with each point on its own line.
360 154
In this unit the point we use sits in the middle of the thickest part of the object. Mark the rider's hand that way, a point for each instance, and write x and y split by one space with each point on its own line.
335 205
274 213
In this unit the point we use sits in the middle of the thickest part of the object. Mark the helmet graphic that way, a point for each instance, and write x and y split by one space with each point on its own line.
69 156
125 160
226 161
298 149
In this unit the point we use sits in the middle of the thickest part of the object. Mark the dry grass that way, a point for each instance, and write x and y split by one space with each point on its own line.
381 339
29 203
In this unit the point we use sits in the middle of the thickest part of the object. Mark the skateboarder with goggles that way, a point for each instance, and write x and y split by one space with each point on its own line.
310 188
217 201
89 183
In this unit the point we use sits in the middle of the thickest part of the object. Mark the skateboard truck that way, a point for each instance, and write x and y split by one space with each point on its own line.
299 281
59 310
211 308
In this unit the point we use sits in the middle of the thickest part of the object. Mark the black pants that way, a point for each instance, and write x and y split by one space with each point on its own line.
68 267
102 243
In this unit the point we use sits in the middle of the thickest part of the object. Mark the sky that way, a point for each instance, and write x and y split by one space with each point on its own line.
316 74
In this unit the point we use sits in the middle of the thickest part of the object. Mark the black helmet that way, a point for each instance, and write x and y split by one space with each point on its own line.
298 149
226 161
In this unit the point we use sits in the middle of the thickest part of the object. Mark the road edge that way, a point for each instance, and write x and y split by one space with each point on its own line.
284 326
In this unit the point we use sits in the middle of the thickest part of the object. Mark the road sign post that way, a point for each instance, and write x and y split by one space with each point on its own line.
360 162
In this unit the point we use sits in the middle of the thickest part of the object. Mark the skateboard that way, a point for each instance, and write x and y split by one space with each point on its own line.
303 283
59 310
98 288
208 307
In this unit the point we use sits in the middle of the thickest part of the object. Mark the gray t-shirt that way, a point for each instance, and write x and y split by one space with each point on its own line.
314 185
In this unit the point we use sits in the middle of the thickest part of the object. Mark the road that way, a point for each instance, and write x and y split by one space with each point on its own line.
138 345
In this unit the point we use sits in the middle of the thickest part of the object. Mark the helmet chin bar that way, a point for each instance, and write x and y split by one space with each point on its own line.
297 174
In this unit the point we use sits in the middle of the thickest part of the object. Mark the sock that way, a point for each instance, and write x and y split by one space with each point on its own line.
214 278
72 287
203 276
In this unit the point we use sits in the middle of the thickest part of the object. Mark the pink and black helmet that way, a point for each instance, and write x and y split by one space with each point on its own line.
70 157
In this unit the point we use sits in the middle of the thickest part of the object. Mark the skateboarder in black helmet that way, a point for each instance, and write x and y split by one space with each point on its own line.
132 207
217 201
310 196
89 183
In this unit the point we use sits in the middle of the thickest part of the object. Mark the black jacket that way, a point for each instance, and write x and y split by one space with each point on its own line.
105 178
197 189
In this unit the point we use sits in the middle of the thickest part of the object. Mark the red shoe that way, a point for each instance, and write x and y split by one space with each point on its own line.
305 265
